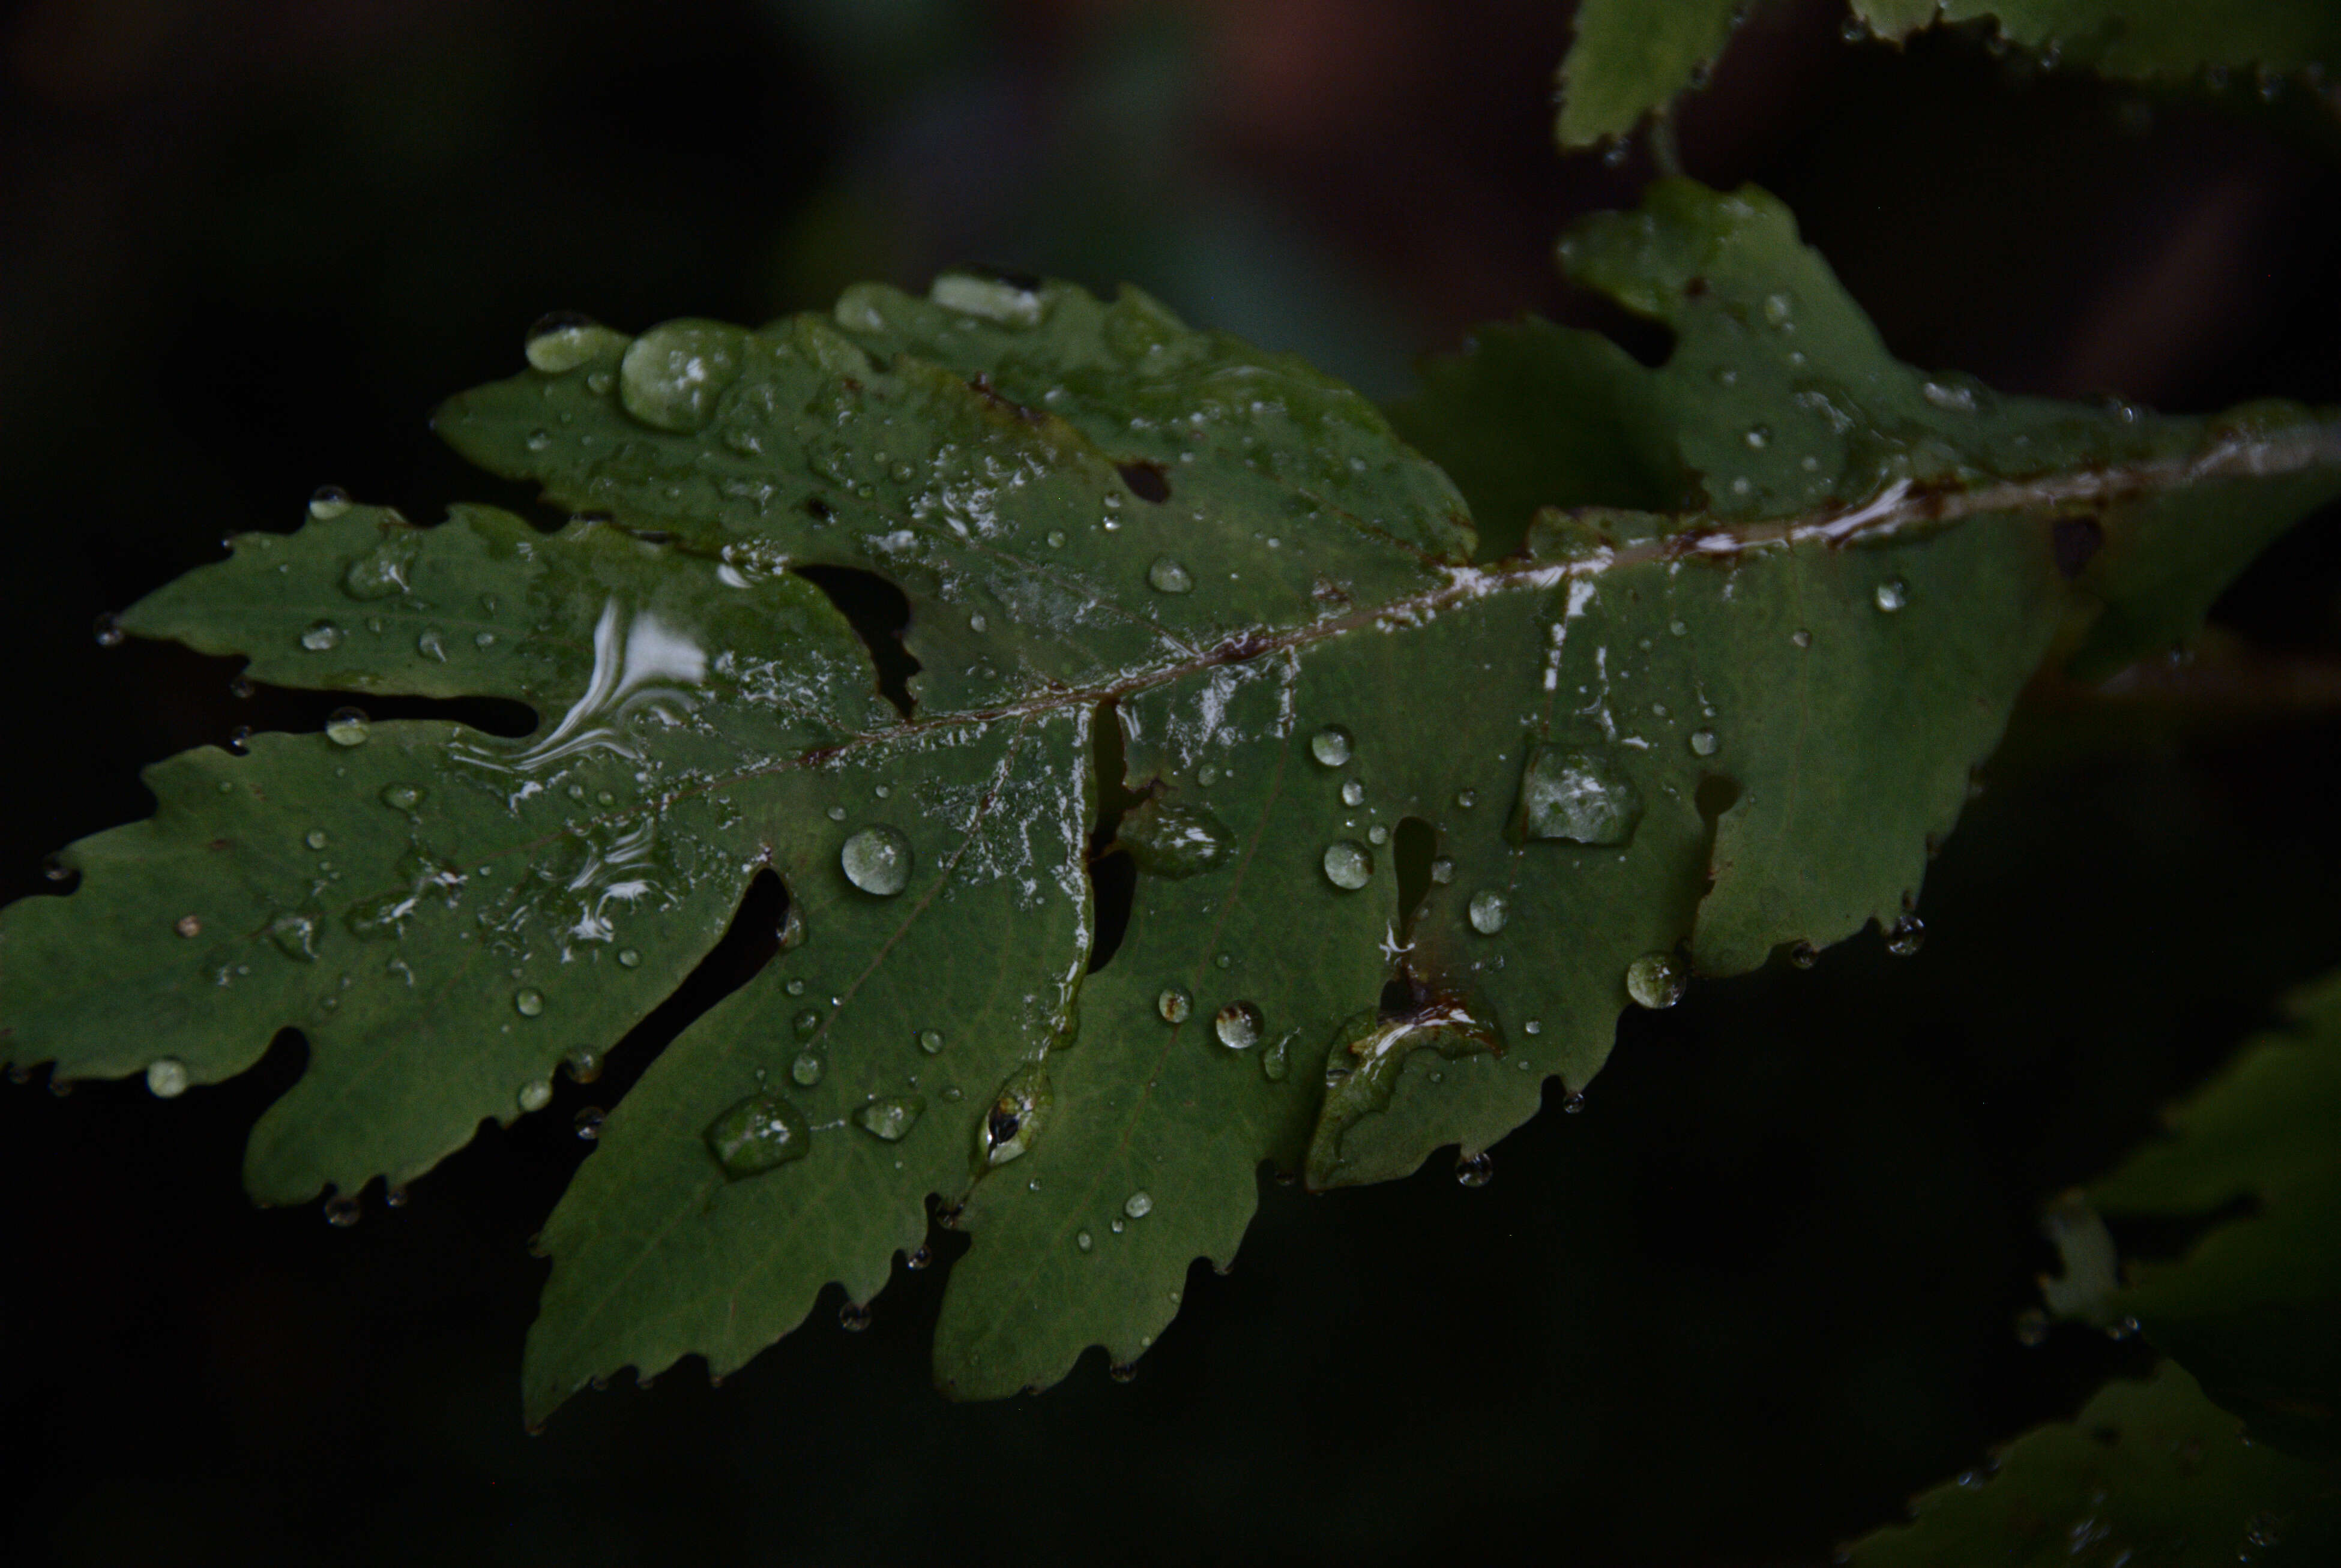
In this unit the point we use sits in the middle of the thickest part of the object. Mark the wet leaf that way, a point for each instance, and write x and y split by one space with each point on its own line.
1645 742
2149 1471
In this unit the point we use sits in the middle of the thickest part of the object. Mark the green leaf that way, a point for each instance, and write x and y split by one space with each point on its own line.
1630 59
2250 1308
1646 742
2148 1473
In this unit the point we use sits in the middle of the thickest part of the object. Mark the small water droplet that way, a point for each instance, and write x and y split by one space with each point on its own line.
1905 936
588 1124
1138 1204
1082 1239
1014 1117
1276 1061
536 1093
1174 1003
756 1134
1467 799
1759 437
401 797
295 935
1489 911
1353 793
166 1077
807 1024
1442 870
485 640
1168 576
931 1041
341 1213
188 926
919 1258
877 860
1574 1104
1657 980
628 959
560 343
1703 742
1804 954
108 632
890 1120
2031 1328
1349 865
314 837
348 727
836 813
1173 841
805 1069
1376 834
321 636
853 1317
1056 538
1238 1026
330 502
1474 1169
528 1001
583 1065
1332 746
1893 595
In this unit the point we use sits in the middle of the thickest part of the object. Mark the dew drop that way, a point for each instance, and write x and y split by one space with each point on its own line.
2031 1328
1474 1169
401 797
672 374
321 636
1276 1061
1083 1240
1238 1026
1893 595
1801 639
1489 911
1349 865
1168 576
1056 538
341 1213
1467 799
1174 1003
1353 793
1804 954
877 860
1138 1204
536 1093
1014 1117
1703 742
330 502
1657 980
808 1023
805 1069
890 1120
348 727
1376 834
1170 840
583 1065
1332 746
1905 936
931 1041
108 632
1760 438
295 935
756 1134
836 813
560 343
588 1124
528 1001
314 837
628 959
188 926
853 1317
431 645
166 1077
1579 796
919 1258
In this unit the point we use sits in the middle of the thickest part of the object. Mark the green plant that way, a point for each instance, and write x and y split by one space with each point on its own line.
1734 631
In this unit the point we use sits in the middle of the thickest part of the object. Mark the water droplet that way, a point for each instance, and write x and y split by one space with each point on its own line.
1489 911
1238 1026
295 935
1703 742
1467 799
853 1317
672 374
1138 1204
1804 954
808 1023
341 1213
756 1134
1657 980
628 959
528 1002
536 1093
1376 834
584 1065
1174 1003
836 813
1578 796
588 1124
560 343
1801 639
1174 841
1442 870
1082 1239
1905 936
1893 595
1349 865
401 797
1474 1169
890 1120
166 1077
1353 793
108 632
1168 576
1759 437
321 636
1777 309
805 1069
2031 1328
1014 1117
1207 775
877 860
931 1041
314 837
188 926
1332 746
1056 538
919 1258
348 727
383 570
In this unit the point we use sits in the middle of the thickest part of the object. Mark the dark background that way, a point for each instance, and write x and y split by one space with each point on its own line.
1757 1294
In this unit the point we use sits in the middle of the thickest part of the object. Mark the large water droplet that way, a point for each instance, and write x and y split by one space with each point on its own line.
672 374
1238 1026
889 1119
1332 746
1893 595
348 727
1578 796
1905 936
1014 1117
320 636
166 1077
560 343
1138 1204
1169 576
877 860
1657 979
1174 1003
1349 865
1489 911
528 1001
1174 841
757 1134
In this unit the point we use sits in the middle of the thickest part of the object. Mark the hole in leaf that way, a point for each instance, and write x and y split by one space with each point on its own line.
1718 793
1113 875
878 612
1147 480
285 708
753 937
1413 847
1399 1000
1647 342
